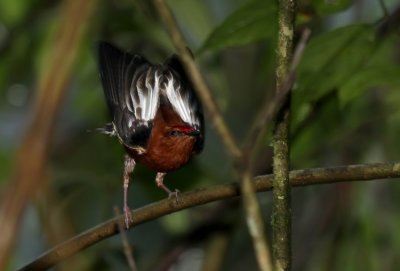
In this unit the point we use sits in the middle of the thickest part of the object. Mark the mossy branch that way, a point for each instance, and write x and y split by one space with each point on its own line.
281 210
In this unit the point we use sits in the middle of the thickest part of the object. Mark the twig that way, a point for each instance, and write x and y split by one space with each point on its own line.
202 196
389 23
257 133
217 222
298 53
281 209
216 250
384 9
32 155
268 113
254 220
197 79
271 108
252 208
125 243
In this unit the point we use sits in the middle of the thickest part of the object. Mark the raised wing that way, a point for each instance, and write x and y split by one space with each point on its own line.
131 88
181 95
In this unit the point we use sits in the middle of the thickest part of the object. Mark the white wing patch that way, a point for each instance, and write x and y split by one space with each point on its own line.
181 101
144 97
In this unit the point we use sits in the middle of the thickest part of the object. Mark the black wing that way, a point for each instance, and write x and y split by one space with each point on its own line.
180 93
132 93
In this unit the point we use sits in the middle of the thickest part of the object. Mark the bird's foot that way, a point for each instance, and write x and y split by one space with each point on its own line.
175 195
128 217
160 183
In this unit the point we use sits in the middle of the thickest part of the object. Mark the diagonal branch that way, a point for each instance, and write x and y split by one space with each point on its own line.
125 243
271 108
197 79
255 222
202 196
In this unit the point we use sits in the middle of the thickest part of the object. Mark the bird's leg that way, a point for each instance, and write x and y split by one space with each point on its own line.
160 183
129 166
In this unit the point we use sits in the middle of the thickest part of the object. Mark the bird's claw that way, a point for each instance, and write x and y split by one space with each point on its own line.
174 194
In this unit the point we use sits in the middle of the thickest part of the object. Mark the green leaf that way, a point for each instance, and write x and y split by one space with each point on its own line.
254 21
319 134
366 79
12 12
380 70
328 62
325 7
330 59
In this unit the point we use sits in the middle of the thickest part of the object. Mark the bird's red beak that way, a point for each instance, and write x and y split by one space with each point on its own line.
187 130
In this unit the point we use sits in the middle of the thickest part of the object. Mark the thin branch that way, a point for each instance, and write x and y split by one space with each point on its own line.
197 79
384 9
298 53
255 223
125 243
389 24
217 222
267 115
272 107
281 206
270 111
216 250
32 155
206 195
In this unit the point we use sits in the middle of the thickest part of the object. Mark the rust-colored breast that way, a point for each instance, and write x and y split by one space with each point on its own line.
165 153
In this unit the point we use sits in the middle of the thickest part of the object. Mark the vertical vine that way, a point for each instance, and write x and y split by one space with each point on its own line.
281 210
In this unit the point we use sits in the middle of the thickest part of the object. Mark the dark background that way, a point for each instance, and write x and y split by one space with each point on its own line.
345 110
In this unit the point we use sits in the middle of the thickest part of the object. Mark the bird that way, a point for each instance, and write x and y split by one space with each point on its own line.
155 114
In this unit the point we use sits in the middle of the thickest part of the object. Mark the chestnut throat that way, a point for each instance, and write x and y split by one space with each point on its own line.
164 151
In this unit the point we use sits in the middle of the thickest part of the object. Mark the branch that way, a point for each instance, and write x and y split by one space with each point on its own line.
206 195
267 114
254 220
281 209
384 8
272 107
390 23
216 251
125 243
197 79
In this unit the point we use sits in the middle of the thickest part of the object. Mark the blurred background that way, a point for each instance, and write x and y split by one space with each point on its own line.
345 110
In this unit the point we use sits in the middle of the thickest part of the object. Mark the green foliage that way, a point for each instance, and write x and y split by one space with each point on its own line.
332 58
12 12
348 61
255 21
324 7
367 78
380 70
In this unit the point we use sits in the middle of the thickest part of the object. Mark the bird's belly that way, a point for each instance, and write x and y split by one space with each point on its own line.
161 162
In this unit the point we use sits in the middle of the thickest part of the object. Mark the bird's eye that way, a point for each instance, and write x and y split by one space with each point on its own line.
176 133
